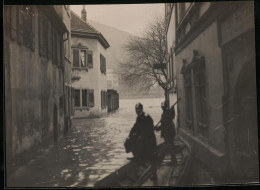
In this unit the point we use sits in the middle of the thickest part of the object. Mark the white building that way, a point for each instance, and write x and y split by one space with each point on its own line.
112 80
89 68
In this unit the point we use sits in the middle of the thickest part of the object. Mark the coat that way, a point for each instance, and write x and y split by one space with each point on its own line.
167 125
142 140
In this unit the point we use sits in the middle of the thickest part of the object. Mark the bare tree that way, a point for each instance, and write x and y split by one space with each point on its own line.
143 53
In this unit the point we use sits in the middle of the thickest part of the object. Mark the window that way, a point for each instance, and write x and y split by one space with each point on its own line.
49 40
20 24
75 57
14 17
84 98
188 99
77 97
80 58
194 76
83 58
58 50
90 59
200 95
102 64
103 99
91 98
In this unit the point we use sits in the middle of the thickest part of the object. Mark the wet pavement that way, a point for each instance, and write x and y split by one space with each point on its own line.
92 150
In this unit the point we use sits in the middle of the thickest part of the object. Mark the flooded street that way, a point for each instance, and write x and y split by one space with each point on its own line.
92 150
99 142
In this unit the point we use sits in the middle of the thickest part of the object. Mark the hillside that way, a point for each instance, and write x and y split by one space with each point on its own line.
117 39
116 53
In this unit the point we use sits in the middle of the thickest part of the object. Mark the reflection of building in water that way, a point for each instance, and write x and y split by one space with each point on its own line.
212 66
88 68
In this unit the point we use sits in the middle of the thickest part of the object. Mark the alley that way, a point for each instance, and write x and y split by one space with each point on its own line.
92 150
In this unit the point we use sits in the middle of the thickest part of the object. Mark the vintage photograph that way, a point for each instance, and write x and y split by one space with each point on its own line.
130 95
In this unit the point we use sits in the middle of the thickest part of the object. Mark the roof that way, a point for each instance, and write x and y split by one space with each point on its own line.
83 29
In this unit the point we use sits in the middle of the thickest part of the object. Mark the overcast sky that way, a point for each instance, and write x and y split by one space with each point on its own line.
132 18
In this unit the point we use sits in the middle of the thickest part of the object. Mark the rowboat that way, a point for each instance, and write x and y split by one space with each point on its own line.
138 172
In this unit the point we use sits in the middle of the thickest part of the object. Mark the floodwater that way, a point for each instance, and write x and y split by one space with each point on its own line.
98 143
93 149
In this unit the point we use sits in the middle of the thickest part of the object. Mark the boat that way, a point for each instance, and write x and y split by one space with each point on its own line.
137 172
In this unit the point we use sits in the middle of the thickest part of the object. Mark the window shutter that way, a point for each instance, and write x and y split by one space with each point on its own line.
49 40
105 65
58 50
75 57
90 59
54 55
77 98
84 98
33 31
91 98
20 24
101 98
40 33
7 20
14 18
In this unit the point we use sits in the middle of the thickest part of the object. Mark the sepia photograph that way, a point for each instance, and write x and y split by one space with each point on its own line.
130 95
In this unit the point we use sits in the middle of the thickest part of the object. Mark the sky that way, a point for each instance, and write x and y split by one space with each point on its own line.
131 18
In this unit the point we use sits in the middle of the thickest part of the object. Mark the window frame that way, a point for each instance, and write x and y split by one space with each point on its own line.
79 58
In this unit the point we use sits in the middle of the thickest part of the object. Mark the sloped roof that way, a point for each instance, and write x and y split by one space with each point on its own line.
81 28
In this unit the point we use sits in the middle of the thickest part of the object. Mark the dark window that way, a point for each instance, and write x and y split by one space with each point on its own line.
90 59
103 99
54 47
20 16
28 26
75 57
102 64
58 50
200 94
7 20
91 98
49 40
14 18
84 98
77 97
188 99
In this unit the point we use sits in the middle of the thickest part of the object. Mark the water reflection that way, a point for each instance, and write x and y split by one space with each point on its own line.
97 144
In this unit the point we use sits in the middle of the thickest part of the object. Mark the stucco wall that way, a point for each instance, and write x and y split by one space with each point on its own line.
91 79
33 81
207 45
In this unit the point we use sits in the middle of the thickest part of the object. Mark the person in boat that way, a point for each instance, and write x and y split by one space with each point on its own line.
141 140
167 128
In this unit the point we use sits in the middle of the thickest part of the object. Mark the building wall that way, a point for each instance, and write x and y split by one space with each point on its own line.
34 87
228 52
91 78
207 45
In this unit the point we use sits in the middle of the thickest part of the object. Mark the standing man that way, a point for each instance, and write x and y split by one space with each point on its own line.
141 140
167 129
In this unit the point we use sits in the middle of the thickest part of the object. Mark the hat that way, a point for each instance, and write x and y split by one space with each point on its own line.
163 104
138 106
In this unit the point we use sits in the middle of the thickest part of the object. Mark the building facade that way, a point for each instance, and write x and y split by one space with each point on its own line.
89 78
34 76
212 68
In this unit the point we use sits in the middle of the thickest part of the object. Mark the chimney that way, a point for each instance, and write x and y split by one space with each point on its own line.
84 14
